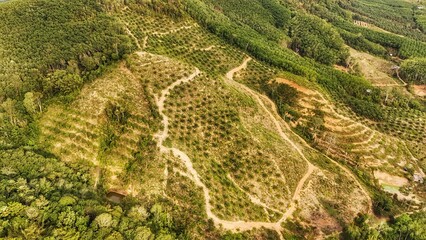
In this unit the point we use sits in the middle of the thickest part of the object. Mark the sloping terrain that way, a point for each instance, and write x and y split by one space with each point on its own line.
375 69
217 142
206 120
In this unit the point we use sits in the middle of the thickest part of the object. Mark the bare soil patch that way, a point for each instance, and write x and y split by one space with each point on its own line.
419 90
374 69
341 68
373 27
387 179
296 86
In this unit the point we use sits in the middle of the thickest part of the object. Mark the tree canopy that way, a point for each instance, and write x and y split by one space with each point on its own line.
314 38
414 70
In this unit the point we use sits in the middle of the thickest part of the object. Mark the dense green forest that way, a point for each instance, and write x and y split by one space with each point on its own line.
402 227
41 197
313 37
49 50
414 70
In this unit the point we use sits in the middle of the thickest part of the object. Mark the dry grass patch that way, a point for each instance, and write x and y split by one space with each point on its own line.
374 69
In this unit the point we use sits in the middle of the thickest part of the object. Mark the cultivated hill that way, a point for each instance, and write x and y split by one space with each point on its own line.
199 119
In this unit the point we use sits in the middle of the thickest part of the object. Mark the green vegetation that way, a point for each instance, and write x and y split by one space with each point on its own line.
266 17
49 48
55 35
213 127
420 17
42 197
82 87
393 16
339 84
313 37
414 70
283 95
402 227
359 42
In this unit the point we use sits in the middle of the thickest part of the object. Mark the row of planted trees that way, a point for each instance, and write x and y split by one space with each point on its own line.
49 49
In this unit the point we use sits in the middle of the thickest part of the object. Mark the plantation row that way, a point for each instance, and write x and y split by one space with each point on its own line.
396 17
205 124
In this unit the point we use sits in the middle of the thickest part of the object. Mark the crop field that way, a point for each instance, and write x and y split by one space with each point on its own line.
360 144
212 119
119 150
392 16
223 131
186 125
409 125
182 39
206 123
320 202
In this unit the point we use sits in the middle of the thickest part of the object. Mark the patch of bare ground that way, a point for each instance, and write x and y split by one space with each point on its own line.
393 184
377 70
386 178
373 27
326 204
296 86
341 68
314 213
419 90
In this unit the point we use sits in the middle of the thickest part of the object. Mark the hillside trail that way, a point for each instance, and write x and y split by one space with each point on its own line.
311 167
277 121
346 170
192 174
134 38
97 177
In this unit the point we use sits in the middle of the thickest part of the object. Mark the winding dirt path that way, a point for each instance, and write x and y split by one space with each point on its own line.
347 171
277 121
192 174
311 167
133 37
162 135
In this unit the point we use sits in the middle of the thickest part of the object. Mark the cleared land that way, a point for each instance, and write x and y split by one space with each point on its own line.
375 69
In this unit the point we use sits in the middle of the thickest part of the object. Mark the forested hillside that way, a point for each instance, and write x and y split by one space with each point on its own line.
47 49
202 119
